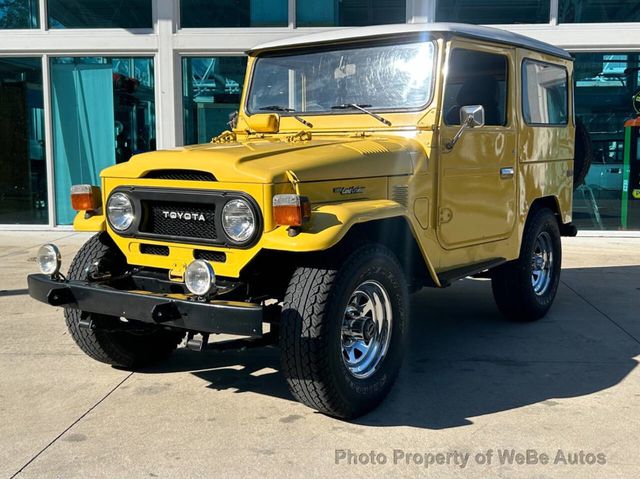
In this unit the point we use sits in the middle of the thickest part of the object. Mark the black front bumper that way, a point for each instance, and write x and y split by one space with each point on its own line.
230 317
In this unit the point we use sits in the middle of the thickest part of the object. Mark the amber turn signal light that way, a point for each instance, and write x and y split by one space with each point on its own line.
85 197
291 210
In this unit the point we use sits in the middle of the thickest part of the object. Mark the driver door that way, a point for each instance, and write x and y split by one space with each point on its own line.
477 177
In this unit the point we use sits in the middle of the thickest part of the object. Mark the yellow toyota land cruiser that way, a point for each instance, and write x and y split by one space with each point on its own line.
363 165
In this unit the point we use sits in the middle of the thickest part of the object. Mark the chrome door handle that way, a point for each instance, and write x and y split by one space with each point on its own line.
506 172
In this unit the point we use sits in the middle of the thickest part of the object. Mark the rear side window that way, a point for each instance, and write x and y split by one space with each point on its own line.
476 78
544 93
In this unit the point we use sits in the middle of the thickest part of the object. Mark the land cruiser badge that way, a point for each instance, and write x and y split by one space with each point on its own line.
349 190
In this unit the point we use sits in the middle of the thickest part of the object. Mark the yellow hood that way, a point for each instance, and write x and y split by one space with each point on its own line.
266 160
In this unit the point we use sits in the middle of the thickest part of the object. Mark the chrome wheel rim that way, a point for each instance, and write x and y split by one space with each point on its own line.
366 329
542 263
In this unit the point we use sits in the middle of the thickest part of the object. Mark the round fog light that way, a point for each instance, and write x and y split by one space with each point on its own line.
200 278
49 259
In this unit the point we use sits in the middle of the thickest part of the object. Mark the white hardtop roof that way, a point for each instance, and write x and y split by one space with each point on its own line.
462 29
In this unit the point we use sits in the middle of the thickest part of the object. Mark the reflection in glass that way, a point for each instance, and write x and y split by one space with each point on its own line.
19 14
211 92
495 12
544 93
233 13
599 11
476 78
23 175
604 85
374 77
103 112
313 13
99 14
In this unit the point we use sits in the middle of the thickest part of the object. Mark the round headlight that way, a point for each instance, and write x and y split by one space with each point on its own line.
49 259
200 278
120 211
238 220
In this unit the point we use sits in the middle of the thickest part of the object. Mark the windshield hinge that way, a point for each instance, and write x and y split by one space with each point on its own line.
225 137
303 135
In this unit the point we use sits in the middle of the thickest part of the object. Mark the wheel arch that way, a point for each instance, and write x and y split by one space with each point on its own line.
394 232
550 202
397 234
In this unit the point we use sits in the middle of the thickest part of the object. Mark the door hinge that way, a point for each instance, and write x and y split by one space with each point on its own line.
445 215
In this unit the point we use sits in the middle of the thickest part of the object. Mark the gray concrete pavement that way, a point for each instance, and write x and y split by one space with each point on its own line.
471 382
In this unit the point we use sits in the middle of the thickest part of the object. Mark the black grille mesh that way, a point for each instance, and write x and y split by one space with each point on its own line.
217 256
154 249
183 175
158 219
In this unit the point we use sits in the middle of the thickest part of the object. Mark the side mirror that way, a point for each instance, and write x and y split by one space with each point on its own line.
471 116
264 122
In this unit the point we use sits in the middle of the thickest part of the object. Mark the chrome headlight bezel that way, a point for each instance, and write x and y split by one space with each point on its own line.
245 235
130 205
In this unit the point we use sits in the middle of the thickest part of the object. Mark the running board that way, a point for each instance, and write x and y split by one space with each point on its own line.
449 276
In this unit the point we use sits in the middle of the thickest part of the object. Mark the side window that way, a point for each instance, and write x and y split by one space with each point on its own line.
544 93
476 78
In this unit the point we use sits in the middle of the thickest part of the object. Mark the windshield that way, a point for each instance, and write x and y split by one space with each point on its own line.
383 77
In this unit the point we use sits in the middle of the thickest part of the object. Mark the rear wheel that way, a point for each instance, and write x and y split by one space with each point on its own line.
126 349
525 288
342 332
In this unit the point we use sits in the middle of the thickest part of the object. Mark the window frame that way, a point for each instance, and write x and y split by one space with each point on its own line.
524 97
507 116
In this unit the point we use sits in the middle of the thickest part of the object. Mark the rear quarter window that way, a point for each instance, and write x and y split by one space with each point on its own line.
544 93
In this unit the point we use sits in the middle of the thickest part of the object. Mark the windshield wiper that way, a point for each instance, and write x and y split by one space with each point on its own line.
275 108
283 108
363 109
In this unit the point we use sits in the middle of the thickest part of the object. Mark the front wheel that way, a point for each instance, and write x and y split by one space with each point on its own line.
525 288
119 348
343 331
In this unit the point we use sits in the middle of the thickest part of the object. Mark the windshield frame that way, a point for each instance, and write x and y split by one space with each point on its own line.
421 37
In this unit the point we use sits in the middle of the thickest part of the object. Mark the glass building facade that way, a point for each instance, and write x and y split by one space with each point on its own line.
85 84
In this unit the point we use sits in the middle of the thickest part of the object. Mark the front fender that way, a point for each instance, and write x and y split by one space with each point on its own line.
331 222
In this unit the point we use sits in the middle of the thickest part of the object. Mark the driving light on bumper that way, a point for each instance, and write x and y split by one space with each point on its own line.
238 220
200 278
291 210
120 211
49 259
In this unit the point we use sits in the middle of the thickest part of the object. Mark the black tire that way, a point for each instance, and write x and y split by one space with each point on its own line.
583 154
311 333
512 285
119 348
